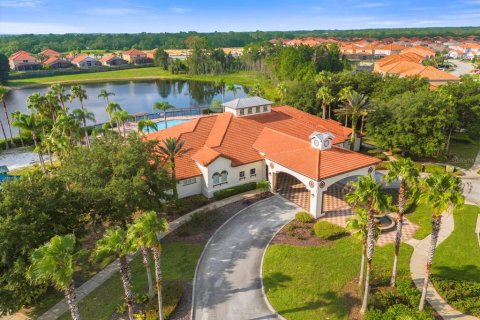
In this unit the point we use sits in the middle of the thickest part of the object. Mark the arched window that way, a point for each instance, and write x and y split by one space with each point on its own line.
216 178
223 176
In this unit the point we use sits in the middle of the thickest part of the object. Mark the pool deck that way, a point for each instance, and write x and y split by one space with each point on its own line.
132 126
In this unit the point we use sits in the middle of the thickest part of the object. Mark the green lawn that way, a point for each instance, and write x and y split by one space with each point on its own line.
421 216
456 266
309 282
464 152
178 262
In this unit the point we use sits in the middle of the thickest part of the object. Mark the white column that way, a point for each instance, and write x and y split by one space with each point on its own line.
316 202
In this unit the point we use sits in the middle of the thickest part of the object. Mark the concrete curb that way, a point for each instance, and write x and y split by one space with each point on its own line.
192 314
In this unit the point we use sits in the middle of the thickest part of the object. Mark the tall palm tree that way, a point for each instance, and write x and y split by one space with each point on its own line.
5 135
113 107
53 263
231 87
28 124
67 125
105 94
356 104
342 96
144 233
82 115
3 94
146 124
442 192
115 245
367 193
122 117
359 225
324 95
407 173
79 93
170 149
163 106
220 83
257 90
16 115
58 90
282 91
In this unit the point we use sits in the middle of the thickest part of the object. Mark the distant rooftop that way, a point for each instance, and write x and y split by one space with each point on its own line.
248 102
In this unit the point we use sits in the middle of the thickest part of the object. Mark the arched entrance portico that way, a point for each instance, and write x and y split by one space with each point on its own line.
293 189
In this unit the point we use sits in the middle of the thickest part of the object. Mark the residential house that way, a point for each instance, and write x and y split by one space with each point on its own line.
134 56
23 61
253 140
49 53
421 51
57 63
112 60
388 49
84 61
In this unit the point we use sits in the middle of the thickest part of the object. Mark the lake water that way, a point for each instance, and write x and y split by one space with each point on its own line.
133 96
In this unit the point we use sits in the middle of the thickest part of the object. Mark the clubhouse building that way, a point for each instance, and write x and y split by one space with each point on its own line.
253 140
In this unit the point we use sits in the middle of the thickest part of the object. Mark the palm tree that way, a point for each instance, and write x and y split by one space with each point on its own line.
16 115
169 150
358 225
356 104
115 245
58 90
105 94
53 263
282 91
122 117
82 115
113 107
146 124
368 193
407 172
79 93
220 83
231 87
257 90
3 94
144 233
442 192
163 106
324 95
29 125
342 95
67 125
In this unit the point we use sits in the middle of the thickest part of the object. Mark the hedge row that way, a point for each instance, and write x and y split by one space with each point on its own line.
27 141
225 193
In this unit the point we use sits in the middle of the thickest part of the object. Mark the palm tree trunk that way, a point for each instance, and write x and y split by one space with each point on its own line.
398 237
447 148
124 132
118 127
146 263
324 111
346 119
40 157
362 265
6 138
165 118
127 286
436 222
158 275
72 301
363 123
8 123
174 179
87 139
370 251
329 112
354 129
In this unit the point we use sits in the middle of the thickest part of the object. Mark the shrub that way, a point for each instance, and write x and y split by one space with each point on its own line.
381 156
185 205
303 216
433 168
264 185
199 222
228 192
462 294
382 165
172 294
374 151
395 312
328 231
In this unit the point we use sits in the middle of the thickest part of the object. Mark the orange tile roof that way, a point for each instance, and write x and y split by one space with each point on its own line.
50 53
13 55
431 73
53 59
22 55
391 47
233 138
79 58
399 67
420 50
133 51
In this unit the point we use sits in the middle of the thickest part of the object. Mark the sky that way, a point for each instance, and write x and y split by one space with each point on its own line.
117 16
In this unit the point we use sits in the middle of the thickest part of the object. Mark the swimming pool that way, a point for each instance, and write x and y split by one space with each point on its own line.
170 123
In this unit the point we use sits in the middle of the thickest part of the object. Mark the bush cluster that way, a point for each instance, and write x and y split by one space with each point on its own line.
328 231
228 192
199 222
303 216
185 205
463 295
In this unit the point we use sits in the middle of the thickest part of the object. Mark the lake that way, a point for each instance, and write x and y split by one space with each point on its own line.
133 96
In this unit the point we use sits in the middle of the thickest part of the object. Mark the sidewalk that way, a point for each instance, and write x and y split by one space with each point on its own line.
61 307
418 262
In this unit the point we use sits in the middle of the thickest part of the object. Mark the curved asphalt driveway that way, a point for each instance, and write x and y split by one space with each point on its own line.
228 279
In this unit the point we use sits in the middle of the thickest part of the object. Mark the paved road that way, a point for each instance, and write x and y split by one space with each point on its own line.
462 68
471 182
228 280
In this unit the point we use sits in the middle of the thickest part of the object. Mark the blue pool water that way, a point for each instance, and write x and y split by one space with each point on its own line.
170 123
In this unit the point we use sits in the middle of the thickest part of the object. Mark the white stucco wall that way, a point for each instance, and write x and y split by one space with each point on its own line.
191 189
236 112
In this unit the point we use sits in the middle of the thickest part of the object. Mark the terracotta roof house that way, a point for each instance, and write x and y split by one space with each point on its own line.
50 53
112 60
151 53
253 140
57 63
135 56
388 49
420 50
84 61
23 61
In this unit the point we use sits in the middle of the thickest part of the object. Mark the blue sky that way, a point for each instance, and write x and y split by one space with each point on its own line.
114 16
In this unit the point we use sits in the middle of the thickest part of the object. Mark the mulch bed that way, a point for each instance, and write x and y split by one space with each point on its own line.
301 235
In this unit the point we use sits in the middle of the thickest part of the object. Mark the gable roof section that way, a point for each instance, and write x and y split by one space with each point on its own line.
134 51
50 53
51 60
247 102
22 55
109 57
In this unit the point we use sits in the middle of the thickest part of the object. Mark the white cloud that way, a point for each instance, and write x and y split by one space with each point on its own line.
20 3
371 5
101 11
7 27
179 10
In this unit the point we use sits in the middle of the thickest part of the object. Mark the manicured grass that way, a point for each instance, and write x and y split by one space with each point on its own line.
421 216
464 153
25 171
456 266
178 262
309 282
